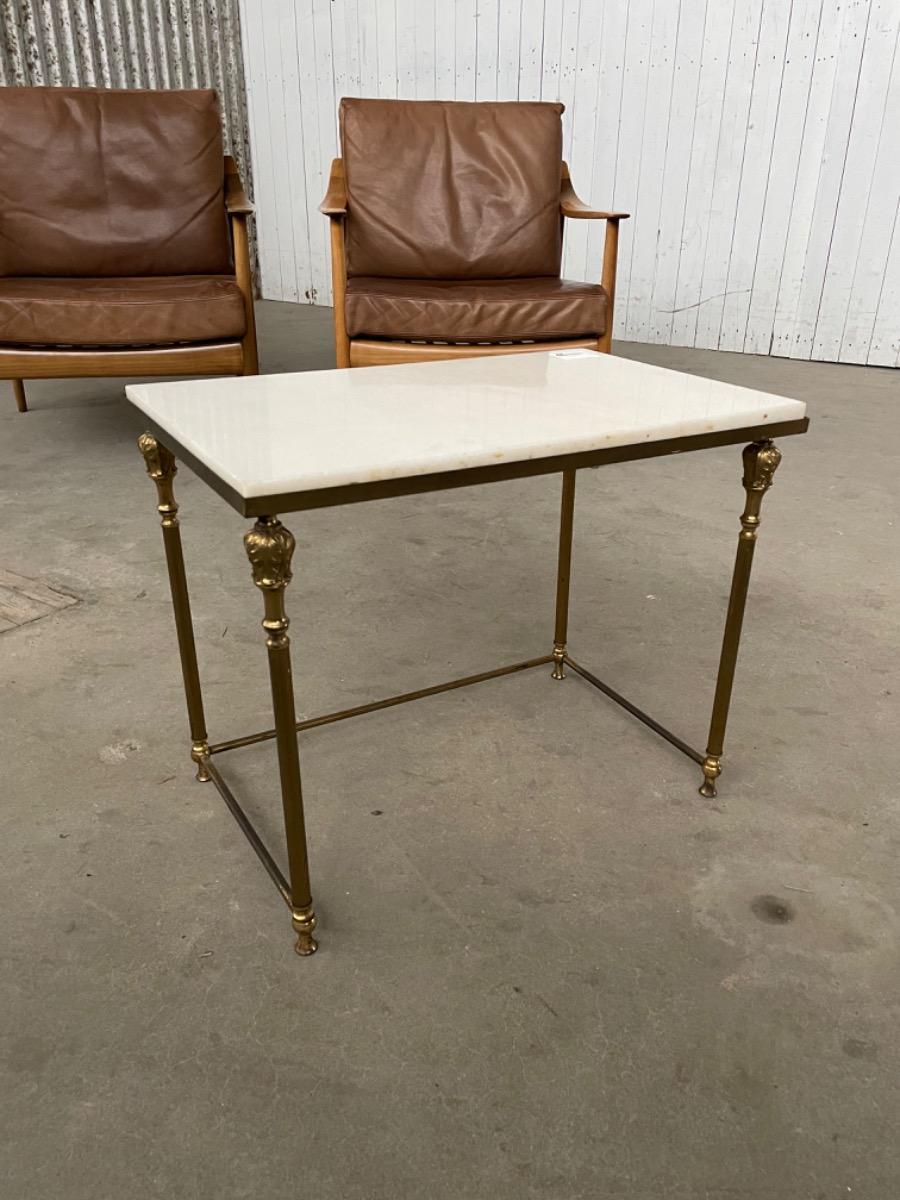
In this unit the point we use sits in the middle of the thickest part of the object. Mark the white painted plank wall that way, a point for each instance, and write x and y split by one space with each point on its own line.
754 142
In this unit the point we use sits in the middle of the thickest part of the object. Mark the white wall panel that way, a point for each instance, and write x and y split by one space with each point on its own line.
834 125
728 173
676 168
702 151
862 151
638 299
754 142
759 148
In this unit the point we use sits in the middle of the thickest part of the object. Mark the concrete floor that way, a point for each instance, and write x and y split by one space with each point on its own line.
545 970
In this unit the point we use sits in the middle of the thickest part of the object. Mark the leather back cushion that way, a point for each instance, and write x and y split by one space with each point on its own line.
452 190
106 183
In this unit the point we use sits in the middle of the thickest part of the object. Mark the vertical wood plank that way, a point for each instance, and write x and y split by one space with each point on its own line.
255 43
387 49
748 221
568 67
279 29
424 77
635 312
406 49
465 25
783 173
552 48
810 167
602 187
704 150
487 49
368 48
508 49
884 347
831 175
856 186
729 172
872 319
635 89
584 131
685 85
531 49
315 47
340 53
444 52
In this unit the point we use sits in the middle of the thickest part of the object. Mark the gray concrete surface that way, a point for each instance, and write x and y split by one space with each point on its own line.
545 969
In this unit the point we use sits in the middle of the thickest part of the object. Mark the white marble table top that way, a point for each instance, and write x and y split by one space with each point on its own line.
270 435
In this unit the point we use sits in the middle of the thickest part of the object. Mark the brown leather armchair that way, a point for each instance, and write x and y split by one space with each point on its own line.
446 234
123 237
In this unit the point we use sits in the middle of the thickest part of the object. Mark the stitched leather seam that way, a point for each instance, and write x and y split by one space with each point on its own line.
475 340
123 303
480 300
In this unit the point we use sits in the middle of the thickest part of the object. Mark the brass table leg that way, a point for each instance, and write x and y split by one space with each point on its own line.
269 547
761 460
161 468
566 515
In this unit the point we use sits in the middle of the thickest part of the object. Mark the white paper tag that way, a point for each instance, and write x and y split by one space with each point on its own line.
578 352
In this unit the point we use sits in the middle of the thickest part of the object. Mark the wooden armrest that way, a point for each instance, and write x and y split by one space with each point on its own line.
571 206
335 202
235 197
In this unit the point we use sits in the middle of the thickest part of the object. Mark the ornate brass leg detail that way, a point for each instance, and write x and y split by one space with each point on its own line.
566 516
269 547
161 468
761 460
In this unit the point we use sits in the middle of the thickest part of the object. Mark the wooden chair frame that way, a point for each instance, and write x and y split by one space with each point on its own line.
231 357
371 352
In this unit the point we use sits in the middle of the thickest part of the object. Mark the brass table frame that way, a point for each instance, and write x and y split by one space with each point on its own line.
269 546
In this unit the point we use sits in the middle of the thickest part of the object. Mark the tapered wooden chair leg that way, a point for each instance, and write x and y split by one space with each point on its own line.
19 390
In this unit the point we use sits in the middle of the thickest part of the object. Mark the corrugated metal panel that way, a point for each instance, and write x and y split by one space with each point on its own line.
131 44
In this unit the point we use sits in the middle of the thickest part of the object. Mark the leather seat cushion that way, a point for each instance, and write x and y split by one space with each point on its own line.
492 310
146 311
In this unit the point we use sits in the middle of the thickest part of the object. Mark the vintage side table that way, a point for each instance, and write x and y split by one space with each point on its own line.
278 444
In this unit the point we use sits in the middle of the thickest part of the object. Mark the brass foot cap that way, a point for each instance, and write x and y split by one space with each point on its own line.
712 769
200 751
304 923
